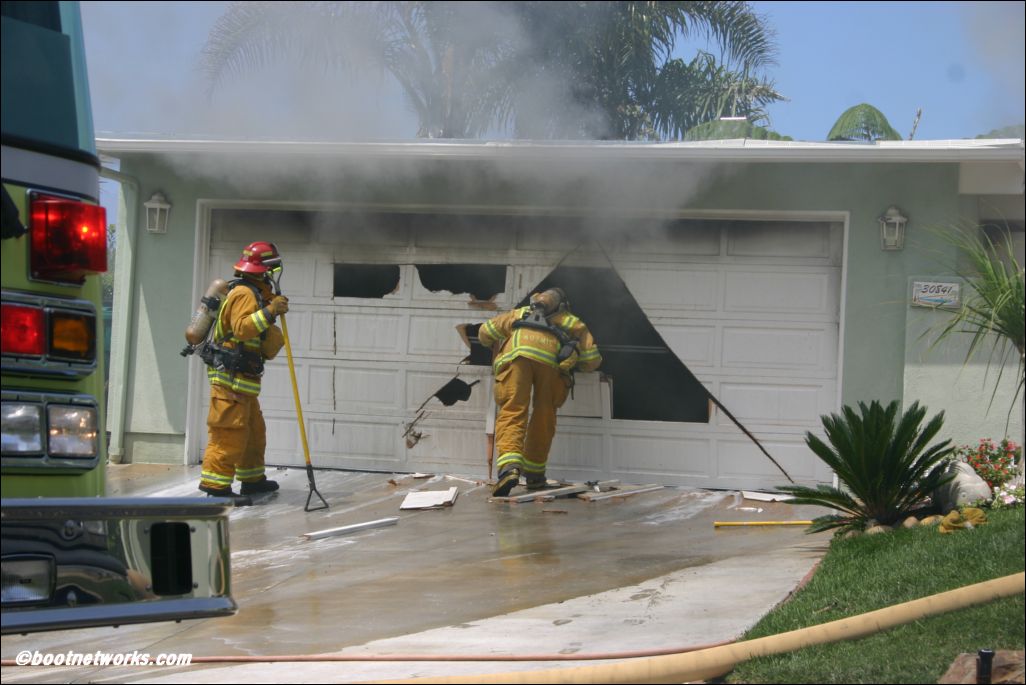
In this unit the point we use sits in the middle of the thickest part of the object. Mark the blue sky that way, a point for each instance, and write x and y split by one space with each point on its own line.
962 62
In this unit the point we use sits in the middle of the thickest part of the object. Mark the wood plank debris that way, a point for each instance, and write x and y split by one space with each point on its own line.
548 495
625 491
766 496
430 499
343 530
464 480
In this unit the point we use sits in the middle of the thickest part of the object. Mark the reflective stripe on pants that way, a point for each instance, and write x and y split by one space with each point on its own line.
237 439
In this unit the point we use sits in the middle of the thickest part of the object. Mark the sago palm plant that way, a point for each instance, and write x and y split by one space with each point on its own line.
884 462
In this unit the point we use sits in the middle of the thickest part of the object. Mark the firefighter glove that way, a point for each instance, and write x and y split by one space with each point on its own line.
278 305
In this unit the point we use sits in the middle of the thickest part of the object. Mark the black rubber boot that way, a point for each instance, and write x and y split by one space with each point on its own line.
536 481
507 481
259 487
237 499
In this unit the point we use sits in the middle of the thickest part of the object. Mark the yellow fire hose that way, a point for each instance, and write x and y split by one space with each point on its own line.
717 661
302 426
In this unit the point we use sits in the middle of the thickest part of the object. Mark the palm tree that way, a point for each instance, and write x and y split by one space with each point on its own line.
722 129
863 122
448 57
994 308
466 67
611 64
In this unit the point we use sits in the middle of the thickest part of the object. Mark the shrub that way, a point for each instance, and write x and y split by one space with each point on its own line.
1008 496
884 463
993 462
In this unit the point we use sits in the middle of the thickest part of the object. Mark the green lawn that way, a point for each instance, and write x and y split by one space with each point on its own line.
871 572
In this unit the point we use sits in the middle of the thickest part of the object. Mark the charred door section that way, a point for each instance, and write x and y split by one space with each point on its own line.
649 382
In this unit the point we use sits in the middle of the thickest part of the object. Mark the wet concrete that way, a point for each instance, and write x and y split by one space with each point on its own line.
642 572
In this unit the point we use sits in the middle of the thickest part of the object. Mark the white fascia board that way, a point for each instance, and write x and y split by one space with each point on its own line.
742 150
980 178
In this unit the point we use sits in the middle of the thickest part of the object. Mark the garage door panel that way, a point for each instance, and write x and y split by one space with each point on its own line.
445 447
797 350
578 452
790 241
422 385
785 293
742 460
770 404
679 289
283 444
422 297
375 333
436 336
367 390
696 346
587 400
653 456
659 240
463 234
322 332
353 441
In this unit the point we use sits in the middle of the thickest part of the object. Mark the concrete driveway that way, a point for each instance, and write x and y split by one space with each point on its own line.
566 577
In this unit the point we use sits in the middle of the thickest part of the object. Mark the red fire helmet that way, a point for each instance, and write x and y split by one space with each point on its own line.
258 258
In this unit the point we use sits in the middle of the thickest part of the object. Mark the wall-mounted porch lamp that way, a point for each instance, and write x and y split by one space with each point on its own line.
892 229
157 211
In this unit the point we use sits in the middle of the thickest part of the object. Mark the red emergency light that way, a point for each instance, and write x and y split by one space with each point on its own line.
22 330
68 238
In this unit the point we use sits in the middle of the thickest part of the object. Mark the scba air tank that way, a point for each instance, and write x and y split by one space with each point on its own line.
196 332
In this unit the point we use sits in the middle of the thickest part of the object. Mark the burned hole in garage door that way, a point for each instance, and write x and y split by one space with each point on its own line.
365 280
481 281
479 354
650 383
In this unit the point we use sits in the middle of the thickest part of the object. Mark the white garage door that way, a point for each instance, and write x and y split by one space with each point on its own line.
751 308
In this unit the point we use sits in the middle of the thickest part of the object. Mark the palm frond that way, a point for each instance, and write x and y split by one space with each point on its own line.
994 305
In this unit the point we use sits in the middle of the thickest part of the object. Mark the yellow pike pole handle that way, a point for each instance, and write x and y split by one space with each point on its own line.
717 524
302 425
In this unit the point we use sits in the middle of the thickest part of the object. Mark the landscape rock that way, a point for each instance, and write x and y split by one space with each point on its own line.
965 488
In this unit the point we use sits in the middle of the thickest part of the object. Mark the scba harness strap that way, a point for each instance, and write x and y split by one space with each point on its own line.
235 359
535 319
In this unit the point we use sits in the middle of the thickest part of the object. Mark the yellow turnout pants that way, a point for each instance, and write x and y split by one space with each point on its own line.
237 438
523 443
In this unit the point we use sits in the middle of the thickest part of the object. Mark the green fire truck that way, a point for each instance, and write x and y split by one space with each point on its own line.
72 557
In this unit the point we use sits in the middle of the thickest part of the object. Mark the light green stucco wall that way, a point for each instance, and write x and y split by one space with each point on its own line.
875 299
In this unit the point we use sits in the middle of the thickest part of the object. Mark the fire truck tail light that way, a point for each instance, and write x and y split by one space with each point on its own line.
68 238
72 335
22 330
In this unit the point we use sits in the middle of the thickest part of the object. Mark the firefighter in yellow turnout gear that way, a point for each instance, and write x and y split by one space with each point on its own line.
535 351
245 335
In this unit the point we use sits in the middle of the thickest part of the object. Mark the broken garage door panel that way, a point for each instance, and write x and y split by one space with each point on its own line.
479 354
651 382
365 280
449 394
455 391
483 282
